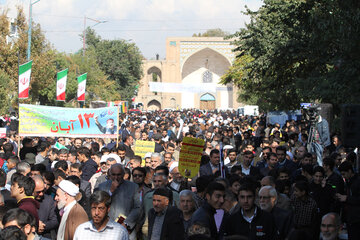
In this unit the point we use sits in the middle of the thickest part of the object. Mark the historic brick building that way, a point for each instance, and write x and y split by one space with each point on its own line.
189 76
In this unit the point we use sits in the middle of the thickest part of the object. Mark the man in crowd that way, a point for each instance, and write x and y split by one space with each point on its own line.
187 207
135 162
125 207
283 218
250 221
21 219
72 214
89 166
156 160
330 226
76 170
215 194
164 220
48 222
282 201
247 168
232 154
351 199
100 227
283 162
213 166
271 164
22 189
178 182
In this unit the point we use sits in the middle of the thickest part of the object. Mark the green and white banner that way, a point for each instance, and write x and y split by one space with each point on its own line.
24 80
61 85
81 87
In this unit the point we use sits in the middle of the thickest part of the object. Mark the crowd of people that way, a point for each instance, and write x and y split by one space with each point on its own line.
256 181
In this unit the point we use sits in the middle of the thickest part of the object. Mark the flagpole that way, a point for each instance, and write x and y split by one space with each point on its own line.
117 130
18 104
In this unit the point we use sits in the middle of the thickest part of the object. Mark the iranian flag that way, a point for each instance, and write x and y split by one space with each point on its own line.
81 87
24 80
61 85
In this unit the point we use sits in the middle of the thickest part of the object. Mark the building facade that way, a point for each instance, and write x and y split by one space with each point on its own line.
189 76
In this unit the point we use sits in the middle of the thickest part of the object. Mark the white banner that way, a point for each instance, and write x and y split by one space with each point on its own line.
182 88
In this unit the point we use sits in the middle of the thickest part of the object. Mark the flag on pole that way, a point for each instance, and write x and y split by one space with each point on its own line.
61 85
81 87
24 79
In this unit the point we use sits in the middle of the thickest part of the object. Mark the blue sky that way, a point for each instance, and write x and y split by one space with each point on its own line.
146 22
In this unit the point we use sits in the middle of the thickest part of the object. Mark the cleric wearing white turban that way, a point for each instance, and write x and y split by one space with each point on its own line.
72 213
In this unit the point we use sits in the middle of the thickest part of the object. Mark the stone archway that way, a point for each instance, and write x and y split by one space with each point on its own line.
205 66
173 103
154 105
154 74
207 102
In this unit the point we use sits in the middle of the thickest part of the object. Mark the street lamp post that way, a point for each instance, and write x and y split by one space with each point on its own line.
84 34
29 33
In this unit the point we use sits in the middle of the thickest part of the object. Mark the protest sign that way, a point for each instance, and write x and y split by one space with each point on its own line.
143 147
2 132
190 156
43 121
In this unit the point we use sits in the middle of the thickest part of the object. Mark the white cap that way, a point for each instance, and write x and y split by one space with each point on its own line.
115 156
69 187
173 165
148 155
228 147
103 158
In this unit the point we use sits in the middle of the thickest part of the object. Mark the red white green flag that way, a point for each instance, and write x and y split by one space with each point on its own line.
61 85
24 79
81 87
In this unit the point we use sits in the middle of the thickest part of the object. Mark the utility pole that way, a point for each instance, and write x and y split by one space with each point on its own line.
29 32
84 34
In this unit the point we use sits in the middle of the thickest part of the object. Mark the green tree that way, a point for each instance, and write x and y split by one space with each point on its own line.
215 32
300 51
120 60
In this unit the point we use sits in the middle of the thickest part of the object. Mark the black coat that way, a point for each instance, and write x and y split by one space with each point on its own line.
173 226
353 200
89 168
262 226
48 215
283 221
205 216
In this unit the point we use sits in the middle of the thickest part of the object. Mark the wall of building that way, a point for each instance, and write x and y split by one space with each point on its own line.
186 61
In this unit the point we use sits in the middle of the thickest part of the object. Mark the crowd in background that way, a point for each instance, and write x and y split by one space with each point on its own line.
256 181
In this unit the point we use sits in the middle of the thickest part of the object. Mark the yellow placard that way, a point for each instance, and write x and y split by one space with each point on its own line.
190 156
143 147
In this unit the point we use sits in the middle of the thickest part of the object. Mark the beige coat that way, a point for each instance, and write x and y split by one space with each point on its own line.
77 216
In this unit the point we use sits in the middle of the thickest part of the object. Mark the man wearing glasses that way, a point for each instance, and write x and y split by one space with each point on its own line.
48 221
283 218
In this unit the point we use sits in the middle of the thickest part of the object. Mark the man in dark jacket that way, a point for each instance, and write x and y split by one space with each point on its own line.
283 218
89 166
215 194
48 223
250 221
165 221
351 199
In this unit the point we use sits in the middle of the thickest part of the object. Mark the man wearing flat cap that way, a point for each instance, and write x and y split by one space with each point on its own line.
72 214
164 220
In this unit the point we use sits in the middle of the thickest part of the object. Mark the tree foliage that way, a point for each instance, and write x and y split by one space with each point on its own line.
46 63
120 60
215 32
299 51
